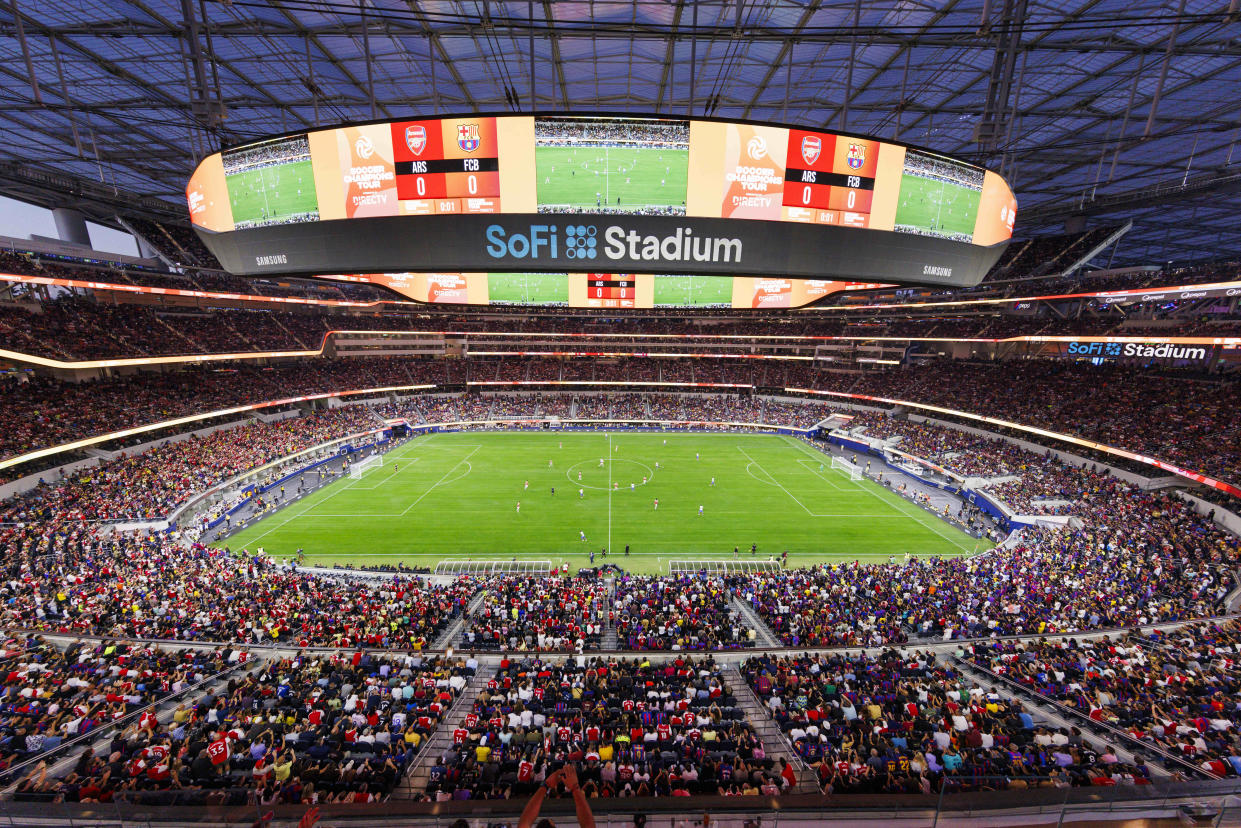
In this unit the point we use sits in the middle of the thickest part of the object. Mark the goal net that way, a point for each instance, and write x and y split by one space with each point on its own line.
843 465
356 470
721 567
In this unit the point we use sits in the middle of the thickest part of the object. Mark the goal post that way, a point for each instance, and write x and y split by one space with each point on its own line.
851 469
356 470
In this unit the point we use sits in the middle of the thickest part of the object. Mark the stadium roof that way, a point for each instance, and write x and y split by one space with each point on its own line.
1114 109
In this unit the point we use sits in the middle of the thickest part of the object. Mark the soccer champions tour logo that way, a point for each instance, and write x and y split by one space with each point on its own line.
585 241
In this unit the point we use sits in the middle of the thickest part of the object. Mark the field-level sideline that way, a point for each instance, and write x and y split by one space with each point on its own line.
456 496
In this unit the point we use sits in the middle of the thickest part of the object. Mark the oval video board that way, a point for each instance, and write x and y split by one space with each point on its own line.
563 193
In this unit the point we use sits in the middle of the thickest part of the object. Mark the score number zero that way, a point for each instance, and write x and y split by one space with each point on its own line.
469 165
811 177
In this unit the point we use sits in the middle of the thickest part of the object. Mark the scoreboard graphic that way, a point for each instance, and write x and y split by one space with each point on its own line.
449 166
778 193
829 179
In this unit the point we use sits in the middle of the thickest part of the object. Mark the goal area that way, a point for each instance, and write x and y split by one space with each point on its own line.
843 465
493 567
356 470
721 567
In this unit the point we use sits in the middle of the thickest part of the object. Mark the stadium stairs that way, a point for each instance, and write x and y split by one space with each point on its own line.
451 636
1050 713
609 639
765 638
775 744
440 740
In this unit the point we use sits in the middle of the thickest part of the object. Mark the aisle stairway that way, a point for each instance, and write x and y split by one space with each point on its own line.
440 740
775 743
609 639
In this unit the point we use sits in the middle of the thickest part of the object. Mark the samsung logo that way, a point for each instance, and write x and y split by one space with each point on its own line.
933 270
268 261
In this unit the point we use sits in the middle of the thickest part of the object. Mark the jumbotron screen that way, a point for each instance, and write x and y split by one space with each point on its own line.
564 194
606 290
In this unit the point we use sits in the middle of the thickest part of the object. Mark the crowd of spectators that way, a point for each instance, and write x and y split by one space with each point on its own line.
1179 691
536 614
149 485
51 695
60 577
1132 557
895 722
677 613
629 728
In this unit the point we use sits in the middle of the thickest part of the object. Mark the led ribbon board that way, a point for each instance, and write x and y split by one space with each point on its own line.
622 195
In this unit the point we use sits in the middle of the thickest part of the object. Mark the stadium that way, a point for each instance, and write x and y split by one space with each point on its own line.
891 474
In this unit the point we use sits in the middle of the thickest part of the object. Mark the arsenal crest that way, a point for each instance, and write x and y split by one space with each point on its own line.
467 137
416 138
856 159
811 146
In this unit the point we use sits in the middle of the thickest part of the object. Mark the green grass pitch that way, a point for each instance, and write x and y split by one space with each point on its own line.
688 291
268 195
589 177
528 288
455 495
937 207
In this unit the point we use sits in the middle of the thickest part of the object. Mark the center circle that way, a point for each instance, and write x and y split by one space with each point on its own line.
624 483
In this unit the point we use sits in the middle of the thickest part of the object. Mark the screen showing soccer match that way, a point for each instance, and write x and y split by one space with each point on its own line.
606 290
652 193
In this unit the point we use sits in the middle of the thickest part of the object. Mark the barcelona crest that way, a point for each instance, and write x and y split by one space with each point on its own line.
856 159
811 146
416 138
467 137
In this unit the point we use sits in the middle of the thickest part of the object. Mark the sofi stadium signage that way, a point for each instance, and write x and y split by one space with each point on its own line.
697 196
1167 351
615 242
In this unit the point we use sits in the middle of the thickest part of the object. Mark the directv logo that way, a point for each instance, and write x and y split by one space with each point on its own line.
581 241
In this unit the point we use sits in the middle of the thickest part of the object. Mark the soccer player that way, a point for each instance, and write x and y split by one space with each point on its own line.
553 491
526 485
581 535
581 493
713 481
632 487
519 506
699 511
549 464
600 462
396 467
697 456
657 504
579 477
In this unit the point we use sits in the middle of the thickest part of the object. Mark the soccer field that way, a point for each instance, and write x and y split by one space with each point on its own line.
455 495
270 195
937 207
591 177
528 288
688 291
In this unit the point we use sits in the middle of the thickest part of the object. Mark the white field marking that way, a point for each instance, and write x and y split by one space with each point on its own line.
809 464
899 505
441 480
384 481
773 480
350 484
650 473
345 484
